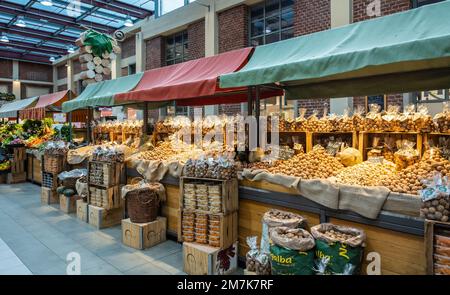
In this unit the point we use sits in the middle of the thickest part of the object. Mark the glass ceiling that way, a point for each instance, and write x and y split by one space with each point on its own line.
59 25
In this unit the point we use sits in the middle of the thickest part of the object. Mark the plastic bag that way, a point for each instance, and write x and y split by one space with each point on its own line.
435 199
358 119
251 255
189 168
201 168
373 121
313 122
442 120
391 120
300 121
350 157
422 120
76 173
345 122
406 154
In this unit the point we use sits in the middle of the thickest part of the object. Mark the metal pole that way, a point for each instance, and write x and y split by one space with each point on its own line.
257 111
145 118
88 125
70 119
250 101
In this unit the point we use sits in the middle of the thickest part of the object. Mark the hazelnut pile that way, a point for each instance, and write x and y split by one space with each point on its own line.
337 235
313 165
163 151
366 174
437 209
291 233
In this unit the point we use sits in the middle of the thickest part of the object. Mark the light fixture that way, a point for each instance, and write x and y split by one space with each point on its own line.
71 49
20 22
4 38
47 2
52 59
128 22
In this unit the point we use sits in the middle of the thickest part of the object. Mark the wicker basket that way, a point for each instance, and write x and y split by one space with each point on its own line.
70 182
54 163
143 205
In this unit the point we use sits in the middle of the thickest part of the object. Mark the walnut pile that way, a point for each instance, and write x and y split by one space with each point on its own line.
369 173
437 209
162 151
313 165
337 235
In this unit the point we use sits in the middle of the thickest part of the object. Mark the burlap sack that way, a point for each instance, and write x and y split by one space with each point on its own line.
366 201
152 171
358 239
260 175
403 204
321 191
271 220
155 186
295 243
77 156
81 188
174 168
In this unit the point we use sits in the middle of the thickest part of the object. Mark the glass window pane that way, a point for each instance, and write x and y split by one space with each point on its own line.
285 3
257 12
287 34
178 51
287 19
166 6
272 38
169 62
178 60
257 41
169 41
272 7
170 53
257 28
178 40
272 24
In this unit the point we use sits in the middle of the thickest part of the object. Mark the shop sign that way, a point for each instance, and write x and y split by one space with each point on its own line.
60 117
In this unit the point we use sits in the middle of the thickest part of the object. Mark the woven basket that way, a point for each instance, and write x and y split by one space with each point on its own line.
143 205
70 182
54 163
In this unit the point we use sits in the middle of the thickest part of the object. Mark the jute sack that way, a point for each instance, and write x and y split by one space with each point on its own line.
291 251
343 257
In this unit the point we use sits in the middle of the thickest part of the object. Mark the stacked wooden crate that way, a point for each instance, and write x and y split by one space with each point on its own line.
208 224
437 247
104 196
17 158
52 165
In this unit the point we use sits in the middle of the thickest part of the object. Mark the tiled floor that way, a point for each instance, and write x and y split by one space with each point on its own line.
36 239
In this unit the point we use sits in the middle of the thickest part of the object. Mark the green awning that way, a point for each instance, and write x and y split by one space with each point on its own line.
408 51
102 93
7 109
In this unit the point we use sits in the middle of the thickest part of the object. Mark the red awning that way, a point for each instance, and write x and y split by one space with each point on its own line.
51 99
194 82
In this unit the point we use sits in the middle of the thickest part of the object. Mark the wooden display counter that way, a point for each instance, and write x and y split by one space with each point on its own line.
34 169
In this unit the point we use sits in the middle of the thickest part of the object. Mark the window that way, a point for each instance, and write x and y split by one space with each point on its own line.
177 48
165 6
433 96
132 69
419 3
271 21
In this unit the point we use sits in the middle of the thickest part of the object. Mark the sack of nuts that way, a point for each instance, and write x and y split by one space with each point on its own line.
342 244
436 199
276 218
251 255
291 251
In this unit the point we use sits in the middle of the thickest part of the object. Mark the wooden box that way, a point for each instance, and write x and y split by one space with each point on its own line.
68 204
249 273
102 218
204 260
54 163
17 167
49 180
49 196
228 228
108 198
2 178
144 235
19 154
229 192
12 178
105 174
437 247
82 210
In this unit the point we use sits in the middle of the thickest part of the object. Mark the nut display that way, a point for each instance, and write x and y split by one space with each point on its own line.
406 155
313 165
436 209
369 173
336 235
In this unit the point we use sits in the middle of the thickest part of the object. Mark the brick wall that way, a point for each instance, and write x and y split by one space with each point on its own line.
387 7
24 93
196 40
154 52
395 99
35 72
233 28
124 71
230 109
128 47
6 85
311 16
61 72
6 68
314 104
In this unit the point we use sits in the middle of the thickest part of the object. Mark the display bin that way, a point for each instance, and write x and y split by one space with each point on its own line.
49 196
34 169
105 174
366 138
229 191
289 138
68 204
108 198
18 167
204 260
315 138
49 180
437 247
228 227
54 163
82 210
13 178
144 235
102 218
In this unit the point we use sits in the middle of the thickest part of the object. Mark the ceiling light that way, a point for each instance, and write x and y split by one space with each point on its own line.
20 22
71 49
47 2
4 38
52 59
128 22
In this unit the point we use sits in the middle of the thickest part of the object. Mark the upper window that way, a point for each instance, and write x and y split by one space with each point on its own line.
271 21
418 3
165 6
177 48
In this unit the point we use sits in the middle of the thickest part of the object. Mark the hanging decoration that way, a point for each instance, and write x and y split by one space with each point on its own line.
97 50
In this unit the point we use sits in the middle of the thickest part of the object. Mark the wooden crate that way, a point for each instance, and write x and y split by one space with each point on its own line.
19 154
144 235
365 139
68 204
437 247
108 198
54 163
12 178
112 173
229 192
18 166
49 196
2 178
249 273
102 218
49 180
204 260
82 210
228 228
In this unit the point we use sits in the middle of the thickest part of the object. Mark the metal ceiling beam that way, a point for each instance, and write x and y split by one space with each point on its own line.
120 7
63 20
8 54
32 33
32 47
